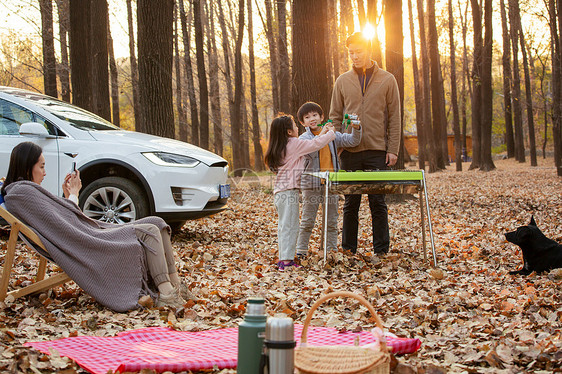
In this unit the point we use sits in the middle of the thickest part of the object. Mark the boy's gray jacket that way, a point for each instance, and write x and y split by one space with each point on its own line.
312 160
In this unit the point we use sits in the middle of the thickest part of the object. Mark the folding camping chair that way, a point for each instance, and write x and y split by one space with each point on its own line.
33 241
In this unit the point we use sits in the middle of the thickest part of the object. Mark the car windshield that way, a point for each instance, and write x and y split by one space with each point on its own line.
76 116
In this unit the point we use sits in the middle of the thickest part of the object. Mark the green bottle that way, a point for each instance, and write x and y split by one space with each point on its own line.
251 333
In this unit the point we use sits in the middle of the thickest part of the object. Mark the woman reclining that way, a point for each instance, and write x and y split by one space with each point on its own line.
115 264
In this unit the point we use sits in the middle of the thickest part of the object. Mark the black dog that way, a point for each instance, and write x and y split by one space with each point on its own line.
539 253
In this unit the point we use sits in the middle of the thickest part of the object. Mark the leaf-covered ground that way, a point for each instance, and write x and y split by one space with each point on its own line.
470 314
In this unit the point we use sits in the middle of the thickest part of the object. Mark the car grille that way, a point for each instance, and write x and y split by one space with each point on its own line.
181 196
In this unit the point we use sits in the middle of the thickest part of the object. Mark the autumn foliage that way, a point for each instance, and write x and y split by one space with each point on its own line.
469 313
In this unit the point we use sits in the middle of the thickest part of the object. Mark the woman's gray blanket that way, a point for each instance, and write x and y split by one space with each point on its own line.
105 260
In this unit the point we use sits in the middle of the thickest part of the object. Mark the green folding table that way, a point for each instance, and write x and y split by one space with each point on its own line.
378 182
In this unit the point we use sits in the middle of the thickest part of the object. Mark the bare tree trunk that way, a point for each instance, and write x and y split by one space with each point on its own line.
374 19
437 98
133 66
246 129
454 103
310 58
477 79
284 66
395 60
506 63
64 68
258 151
362 16
346 12
333 43
529 96
273 55
517 110
465 79
114 74
346 28
486 162
228 76
214 86
444 125
202 75
182 116
417 92
194 114
80 60
426 89
236 125
49 60
155 31
557 123
100 59
545 100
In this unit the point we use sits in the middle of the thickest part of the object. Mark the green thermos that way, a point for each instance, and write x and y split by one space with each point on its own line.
251 333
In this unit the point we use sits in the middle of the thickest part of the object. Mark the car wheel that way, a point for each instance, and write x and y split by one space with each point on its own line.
114 200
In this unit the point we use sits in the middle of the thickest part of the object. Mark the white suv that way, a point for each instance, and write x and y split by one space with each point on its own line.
125 175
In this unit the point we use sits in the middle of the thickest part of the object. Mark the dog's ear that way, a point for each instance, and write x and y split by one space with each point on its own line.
532 223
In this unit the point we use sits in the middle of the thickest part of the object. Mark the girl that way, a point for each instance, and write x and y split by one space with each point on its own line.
285 156
115 264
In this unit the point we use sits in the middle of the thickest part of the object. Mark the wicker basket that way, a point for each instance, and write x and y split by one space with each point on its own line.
341 359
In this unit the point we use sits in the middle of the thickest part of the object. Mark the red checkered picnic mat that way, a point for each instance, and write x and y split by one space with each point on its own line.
164 349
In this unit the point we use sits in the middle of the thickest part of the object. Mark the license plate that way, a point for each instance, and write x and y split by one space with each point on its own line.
224 191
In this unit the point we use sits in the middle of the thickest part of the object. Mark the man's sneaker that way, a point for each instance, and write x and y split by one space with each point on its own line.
173 299
302 255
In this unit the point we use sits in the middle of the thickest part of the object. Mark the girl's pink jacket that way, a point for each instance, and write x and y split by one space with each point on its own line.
289 174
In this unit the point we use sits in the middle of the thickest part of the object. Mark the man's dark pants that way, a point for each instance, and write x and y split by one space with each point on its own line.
365 160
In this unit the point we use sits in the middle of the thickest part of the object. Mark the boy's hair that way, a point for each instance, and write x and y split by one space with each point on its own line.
308 107
278 139
358 38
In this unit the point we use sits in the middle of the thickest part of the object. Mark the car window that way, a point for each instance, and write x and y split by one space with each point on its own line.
77 117
11 117
52 129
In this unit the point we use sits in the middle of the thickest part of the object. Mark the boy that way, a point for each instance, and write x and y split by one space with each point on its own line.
310 115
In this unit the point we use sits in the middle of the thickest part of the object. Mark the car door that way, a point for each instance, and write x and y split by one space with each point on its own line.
11 117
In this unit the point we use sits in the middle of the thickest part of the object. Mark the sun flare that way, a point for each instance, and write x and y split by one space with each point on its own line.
369 31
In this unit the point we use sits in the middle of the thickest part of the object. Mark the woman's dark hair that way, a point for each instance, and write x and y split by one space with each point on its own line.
24 156
309 107
278 138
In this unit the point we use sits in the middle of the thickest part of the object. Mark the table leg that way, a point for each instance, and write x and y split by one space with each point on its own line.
423 226
429 223
325 223
322 233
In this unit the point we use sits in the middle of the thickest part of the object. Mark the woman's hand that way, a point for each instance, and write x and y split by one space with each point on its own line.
72 184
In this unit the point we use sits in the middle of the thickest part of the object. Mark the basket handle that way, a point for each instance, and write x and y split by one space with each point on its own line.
332 295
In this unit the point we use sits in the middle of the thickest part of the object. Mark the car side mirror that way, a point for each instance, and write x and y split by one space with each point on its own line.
34 129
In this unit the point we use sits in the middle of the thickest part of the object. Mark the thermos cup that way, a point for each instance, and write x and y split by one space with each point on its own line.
279 345
250 337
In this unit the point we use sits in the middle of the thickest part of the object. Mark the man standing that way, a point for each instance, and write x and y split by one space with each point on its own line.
372 94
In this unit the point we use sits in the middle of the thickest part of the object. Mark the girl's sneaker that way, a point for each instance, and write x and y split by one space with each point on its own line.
282 265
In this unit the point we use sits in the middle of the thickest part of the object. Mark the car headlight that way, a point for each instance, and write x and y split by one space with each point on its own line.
171 159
